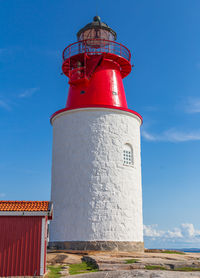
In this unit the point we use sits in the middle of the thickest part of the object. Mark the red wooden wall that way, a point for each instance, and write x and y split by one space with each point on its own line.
20 243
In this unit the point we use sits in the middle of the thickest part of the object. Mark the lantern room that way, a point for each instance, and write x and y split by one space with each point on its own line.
95 32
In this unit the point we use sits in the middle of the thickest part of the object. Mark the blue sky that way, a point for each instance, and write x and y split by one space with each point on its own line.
164 87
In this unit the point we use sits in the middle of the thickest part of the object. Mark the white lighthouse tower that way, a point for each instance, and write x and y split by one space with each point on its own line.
96 162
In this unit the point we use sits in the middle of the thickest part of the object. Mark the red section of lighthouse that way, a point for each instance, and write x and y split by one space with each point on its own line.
98 82
95 66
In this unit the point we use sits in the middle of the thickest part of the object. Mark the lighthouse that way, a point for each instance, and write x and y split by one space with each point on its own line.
96 161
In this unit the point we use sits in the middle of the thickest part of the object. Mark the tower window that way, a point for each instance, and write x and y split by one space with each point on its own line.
127 155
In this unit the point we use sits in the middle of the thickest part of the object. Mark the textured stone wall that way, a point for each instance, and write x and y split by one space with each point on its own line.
96 197
117 246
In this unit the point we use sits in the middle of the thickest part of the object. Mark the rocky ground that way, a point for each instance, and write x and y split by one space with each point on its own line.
128 264
139 274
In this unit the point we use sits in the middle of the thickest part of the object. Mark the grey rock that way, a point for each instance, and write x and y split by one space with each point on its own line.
140 274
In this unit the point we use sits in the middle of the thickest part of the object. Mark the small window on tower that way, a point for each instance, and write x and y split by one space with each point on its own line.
127 155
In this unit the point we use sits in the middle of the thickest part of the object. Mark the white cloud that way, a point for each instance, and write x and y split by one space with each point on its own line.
153 231
172 135
175 233
192 105
183 236
4 104
28 92
188 230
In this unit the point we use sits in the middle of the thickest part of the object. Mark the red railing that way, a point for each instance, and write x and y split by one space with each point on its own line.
96 47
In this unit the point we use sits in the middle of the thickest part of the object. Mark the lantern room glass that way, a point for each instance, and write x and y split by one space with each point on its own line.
96 34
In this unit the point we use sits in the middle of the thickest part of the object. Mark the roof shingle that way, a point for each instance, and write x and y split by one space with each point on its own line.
24 205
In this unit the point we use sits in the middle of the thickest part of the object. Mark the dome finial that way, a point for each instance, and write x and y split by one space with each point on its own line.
97 18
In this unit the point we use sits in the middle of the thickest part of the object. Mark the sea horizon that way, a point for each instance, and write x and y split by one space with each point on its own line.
187 250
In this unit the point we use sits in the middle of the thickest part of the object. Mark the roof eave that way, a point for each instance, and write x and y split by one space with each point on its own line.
26 213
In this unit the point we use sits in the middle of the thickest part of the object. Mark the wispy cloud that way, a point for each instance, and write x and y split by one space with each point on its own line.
2 195
4 104
28 92
150 108
185 234
8 103
192 105
148 136
172 135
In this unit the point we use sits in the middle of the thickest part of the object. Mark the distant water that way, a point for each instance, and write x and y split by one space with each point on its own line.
190 250
187 250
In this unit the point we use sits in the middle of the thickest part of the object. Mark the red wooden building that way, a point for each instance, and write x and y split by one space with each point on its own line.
23 237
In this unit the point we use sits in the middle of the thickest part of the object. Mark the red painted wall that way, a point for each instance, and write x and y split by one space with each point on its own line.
105 87
20 242
45 243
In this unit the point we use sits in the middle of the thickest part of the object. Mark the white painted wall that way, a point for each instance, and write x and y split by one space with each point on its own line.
95 196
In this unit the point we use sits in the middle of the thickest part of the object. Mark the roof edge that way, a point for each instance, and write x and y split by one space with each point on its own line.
114 108
24 213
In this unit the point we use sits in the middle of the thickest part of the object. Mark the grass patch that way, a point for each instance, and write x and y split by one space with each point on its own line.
155 267
173 252
131 261
54 271
188 269
82 268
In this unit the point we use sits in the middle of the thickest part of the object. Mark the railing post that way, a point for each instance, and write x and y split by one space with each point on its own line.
69 68
79 48
85 65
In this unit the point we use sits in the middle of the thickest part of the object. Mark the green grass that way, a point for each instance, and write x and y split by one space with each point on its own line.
155 267
54 271
188 269
131 261
173 252
82 268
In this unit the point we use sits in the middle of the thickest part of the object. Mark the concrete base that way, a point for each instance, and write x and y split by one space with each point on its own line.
126 246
